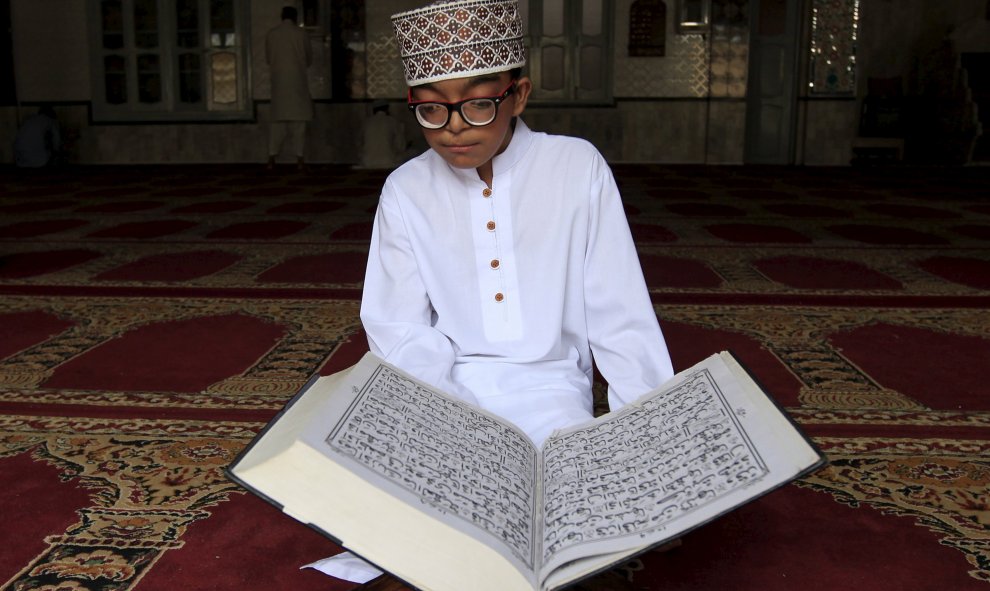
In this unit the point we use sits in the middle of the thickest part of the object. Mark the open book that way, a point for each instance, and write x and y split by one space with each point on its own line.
449 497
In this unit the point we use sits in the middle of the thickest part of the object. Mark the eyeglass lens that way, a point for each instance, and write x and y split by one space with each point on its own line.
474 112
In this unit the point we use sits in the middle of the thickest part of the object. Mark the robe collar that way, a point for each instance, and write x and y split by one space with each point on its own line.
522 137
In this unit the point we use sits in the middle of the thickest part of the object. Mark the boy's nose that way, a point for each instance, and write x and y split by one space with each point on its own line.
455 122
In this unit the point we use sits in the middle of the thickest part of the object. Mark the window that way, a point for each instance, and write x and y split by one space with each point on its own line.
648 28
169 60
570 49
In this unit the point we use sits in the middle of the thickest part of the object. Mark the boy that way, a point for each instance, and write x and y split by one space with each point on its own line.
501 259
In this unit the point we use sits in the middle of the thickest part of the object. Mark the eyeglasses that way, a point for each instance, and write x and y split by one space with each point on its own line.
476 111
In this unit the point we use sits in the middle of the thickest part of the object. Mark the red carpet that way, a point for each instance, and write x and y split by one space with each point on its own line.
21 330
259 230
962 270
266 547
776 541
210 206
29 264
886 235
118 206
34 206
338 267
705 210
806 210
147 358
900 357
308 207
661 271
360 232
152 319
39 228
154 229
910 212
757 233
974 231
172 267
816 273
646 233
46 504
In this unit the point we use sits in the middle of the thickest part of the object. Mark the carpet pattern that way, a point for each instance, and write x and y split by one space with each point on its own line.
152 319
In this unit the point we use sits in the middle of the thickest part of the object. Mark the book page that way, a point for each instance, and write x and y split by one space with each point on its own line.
447 458
673 459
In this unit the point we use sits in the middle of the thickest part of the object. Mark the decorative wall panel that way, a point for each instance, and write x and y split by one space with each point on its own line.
385 76
834 32
694 65
683 72
730 48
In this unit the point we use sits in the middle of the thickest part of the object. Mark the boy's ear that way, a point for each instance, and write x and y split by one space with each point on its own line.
524 86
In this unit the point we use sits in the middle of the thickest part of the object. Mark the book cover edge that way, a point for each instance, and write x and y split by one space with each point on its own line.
823 458
232 476
268 426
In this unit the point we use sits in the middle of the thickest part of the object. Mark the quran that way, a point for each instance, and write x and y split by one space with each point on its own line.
447 496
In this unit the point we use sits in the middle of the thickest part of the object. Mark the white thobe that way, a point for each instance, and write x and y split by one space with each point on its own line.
503 297
289 54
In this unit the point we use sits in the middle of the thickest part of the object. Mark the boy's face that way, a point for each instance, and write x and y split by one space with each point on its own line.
467 146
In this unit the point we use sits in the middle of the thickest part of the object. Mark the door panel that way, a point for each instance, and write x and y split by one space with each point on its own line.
773 80
770 104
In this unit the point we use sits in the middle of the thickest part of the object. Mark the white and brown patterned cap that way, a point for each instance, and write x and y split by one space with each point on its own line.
446 39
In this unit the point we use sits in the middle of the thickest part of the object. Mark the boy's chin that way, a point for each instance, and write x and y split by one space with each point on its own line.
462 163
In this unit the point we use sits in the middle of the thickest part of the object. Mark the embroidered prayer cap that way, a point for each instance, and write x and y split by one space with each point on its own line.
446 39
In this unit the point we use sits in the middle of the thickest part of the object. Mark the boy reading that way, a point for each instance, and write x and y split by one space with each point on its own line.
501 263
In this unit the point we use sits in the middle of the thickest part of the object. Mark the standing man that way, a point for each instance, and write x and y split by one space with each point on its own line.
288 53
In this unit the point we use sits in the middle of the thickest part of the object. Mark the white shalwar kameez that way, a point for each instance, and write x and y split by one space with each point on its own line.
501 296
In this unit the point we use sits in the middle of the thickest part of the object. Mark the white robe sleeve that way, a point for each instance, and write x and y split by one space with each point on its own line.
395 307
625 337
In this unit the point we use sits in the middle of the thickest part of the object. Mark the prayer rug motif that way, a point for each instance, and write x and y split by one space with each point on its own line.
889 419
149 480
134 494
86 568
799 338
110 265
658 229
943 484
171 267
33 263
314 328
910 272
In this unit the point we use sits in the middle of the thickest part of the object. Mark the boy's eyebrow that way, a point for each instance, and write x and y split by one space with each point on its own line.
483 79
